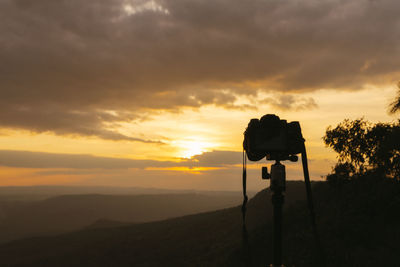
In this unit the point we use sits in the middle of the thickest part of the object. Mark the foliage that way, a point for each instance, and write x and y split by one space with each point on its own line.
341 173
365 147
395 105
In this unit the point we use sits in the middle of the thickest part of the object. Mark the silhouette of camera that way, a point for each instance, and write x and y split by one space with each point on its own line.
273 138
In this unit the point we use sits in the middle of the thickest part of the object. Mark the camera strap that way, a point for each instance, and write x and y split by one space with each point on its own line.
310 203
244 181
245 240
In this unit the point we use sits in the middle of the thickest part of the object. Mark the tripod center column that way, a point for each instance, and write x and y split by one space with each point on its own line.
278 186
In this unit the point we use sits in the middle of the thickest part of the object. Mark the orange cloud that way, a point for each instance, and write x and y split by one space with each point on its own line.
27 176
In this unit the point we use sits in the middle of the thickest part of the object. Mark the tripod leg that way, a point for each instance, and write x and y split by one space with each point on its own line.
277 201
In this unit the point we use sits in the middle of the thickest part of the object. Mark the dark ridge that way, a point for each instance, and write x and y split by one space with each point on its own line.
73 212
203 239
358 223
105 223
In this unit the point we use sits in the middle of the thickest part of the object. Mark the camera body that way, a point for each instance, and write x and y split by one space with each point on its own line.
273 138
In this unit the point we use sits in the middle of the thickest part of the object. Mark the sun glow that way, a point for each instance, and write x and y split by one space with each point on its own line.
194 170
190 148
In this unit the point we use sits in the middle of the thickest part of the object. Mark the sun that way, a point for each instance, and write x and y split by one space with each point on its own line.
190 148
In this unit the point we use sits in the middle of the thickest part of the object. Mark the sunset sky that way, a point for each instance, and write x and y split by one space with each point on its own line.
159 93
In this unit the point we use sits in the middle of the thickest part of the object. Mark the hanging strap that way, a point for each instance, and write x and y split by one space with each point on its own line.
310 203
245 198
245 239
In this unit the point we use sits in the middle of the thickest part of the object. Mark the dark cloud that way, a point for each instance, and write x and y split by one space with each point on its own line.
291 102
69 122
29 159
218 158
81 58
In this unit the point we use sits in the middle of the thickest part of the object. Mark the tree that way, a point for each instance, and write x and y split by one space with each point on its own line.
363 147
395 105
342 172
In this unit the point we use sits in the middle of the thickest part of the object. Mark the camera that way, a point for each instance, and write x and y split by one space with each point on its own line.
273 138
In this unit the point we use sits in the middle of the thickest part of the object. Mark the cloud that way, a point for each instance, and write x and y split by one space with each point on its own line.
218 158
224 170
29 159
69 122
81 58
291 102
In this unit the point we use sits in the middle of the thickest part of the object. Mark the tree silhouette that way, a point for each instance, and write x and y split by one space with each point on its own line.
395 105
365 147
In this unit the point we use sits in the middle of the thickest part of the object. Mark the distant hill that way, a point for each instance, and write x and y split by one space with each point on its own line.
72 212
104 223
34 193
358 223
203 239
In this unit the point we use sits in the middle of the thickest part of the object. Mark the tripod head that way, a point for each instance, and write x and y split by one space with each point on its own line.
272 138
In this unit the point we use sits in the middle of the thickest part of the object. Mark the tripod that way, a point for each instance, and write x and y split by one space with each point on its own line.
277 186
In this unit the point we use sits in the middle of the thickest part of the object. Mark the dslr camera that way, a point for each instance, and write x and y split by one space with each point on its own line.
273 138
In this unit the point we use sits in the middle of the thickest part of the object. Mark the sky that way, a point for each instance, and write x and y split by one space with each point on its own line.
159 93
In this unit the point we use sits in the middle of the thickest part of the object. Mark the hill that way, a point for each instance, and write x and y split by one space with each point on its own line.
358 223
206 238
73 212
35 193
